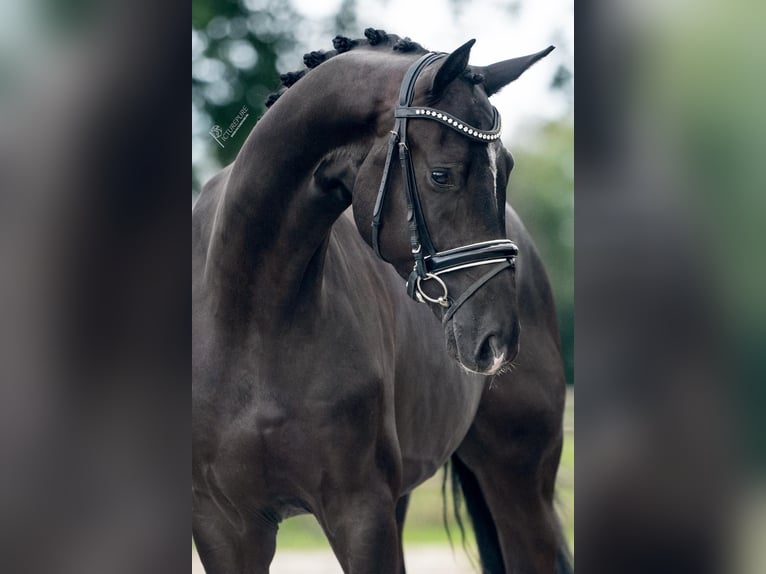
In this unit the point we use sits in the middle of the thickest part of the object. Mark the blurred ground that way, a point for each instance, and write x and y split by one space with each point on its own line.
302 547
436 559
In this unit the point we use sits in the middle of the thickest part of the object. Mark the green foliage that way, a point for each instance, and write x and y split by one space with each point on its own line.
541 190
235 46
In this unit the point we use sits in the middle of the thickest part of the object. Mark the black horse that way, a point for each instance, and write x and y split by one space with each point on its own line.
319 385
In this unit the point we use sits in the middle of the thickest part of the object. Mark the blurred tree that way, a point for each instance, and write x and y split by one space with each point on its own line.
345 21
235 45
541 190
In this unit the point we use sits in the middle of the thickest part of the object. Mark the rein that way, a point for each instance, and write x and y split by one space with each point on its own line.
430 263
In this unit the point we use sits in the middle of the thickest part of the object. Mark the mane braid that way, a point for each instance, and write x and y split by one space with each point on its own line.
273 97
290 78
313 59
407 45
373 38
343 44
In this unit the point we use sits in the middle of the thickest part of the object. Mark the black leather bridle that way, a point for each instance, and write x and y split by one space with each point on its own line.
429 263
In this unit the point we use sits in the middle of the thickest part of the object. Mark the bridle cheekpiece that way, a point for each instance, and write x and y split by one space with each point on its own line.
430 263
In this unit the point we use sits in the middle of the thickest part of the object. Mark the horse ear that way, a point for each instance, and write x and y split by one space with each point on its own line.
453 66
503 73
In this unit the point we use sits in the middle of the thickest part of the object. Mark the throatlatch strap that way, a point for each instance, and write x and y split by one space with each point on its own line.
475 286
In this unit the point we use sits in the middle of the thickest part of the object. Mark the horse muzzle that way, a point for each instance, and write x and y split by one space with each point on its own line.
487 355
483 333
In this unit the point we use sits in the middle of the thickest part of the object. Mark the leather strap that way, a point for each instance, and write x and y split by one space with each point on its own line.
443 261
473 288
377 212
399 135
451 121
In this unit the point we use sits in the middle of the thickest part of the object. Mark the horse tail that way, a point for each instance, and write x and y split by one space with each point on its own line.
466 487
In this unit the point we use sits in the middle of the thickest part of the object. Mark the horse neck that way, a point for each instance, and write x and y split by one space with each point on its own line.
272 223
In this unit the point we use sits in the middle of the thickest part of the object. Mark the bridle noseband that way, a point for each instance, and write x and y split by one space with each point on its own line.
429 263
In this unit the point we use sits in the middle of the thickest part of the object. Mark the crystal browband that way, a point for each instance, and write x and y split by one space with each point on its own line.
453 122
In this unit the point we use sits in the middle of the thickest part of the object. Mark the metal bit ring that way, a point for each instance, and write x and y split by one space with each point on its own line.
443 301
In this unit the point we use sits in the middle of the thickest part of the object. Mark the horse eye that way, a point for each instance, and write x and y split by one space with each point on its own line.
440 177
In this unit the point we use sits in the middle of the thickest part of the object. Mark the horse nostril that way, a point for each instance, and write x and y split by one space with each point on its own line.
489 350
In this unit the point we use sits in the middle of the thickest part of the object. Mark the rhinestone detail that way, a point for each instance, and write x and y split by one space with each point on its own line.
457 125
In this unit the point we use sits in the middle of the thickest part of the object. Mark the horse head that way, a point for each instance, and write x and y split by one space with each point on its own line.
437 212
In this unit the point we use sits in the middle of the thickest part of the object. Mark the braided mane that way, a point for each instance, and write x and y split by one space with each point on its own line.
373 39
